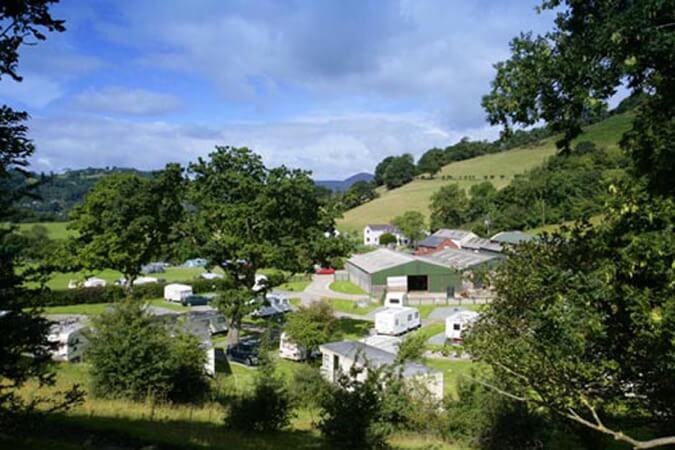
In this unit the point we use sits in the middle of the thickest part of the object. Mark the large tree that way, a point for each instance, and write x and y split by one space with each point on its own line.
399 171
126 220
249 217
411 224
589 315
22 330
448 207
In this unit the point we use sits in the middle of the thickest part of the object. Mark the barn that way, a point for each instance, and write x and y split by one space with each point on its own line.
370 272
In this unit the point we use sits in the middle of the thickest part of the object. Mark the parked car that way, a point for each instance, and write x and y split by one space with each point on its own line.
325 271
194 300
245 352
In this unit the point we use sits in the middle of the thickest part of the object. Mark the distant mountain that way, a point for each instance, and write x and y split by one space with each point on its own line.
343 185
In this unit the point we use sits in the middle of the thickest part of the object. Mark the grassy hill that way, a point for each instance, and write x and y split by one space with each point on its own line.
498 168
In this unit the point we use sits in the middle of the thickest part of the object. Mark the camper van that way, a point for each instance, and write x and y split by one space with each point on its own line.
290 350
457 322
396 321
177 292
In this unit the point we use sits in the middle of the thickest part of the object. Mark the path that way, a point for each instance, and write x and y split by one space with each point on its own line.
319 288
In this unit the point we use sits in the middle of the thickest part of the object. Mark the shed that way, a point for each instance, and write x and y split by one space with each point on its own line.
370 272
339 357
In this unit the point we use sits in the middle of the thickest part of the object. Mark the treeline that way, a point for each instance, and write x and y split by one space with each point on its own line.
567 187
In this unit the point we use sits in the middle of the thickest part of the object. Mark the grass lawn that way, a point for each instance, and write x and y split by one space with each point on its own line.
350 329
351 306
452 372
87 310
416 195
346 287
431 329
425 310
55 230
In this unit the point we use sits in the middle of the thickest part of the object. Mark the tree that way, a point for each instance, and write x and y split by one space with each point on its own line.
312 325
267 408
387 239
24 331
358 194
133 356
380 169
411 348
431 162
411 224
448 207
575 68
481 200
399 171
249 217
126 221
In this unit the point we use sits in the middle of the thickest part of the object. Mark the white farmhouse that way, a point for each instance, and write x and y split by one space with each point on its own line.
339 357
457 322
372 233
69 337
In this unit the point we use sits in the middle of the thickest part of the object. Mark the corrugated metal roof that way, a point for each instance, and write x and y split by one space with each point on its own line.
373 355
456 235
458 259
482 244
511 237
385 258
431 241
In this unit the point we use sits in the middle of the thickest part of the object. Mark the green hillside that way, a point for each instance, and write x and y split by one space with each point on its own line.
499 168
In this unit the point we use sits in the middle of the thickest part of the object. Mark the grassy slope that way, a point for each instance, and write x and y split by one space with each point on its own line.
346 287
417 194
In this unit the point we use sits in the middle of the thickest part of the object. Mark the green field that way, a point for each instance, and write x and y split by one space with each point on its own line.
416 195
351 306
346 287
55 230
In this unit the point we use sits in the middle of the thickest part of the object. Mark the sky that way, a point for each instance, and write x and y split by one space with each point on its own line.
331 86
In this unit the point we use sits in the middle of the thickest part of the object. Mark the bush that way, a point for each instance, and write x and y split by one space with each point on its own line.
133 356
308 388
267 408
387 238
113 293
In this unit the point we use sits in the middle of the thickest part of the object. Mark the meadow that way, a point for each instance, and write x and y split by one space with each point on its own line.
498 168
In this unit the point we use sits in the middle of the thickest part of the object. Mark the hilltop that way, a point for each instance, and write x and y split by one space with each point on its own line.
498 168
343 185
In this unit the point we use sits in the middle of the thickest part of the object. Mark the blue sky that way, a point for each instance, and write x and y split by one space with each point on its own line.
331 86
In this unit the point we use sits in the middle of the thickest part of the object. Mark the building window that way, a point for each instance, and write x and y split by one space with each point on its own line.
456 326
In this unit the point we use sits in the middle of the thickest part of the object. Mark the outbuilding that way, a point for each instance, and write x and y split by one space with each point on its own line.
370 272
339 357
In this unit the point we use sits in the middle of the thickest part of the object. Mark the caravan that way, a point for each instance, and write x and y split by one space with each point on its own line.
397 288
458 322
177 292
288 349
396 321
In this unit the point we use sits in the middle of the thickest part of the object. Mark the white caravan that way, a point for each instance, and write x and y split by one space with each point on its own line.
397 288
290 350
177 292
396 321
69 339
457 322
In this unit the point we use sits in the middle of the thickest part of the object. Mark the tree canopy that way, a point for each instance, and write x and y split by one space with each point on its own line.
412 225
448 207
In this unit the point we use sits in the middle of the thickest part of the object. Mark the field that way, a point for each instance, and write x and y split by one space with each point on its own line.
138 424
55 230
416 195
171 274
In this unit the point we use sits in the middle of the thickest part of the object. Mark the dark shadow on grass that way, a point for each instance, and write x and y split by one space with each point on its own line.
351 327
102 433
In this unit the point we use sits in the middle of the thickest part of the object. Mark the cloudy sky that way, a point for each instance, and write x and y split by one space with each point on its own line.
331 86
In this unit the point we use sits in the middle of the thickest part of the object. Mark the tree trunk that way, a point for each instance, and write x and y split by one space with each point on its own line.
233 333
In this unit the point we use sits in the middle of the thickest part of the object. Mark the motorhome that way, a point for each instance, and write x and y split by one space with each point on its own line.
288 349
397 321
177 292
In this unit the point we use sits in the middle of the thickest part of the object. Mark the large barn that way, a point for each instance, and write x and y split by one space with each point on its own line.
371 270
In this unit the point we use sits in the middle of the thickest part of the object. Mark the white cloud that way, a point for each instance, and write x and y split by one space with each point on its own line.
121 100
35 91
330 146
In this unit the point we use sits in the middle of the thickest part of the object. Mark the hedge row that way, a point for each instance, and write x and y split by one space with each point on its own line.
113 293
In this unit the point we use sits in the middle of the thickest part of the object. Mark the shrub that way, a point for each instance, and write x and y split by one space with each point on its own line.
308 388
267 408
133 356
387 238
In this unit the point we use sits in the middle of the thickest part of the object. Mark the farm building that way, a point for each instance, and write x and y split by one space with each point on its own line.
372 233
339 357
432 244
370 272
464 262
479 244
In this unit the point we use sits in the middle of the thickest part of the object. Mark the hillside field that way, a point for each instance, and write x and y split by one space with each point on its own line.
499 168
55 230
